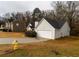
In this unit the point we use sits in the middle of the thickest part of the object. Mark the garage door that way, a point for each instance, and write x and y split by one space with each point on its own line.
45 34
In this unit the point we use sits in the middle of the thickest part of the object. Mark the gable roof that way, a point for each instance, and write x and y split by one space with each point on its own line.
56 24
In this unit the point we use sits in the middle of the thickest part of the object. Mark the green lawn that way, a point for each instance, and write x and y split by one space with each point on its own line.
68 46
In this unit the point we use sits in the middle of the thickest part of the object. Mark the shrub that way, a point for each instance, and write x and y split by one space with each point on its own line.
31 33
10 30
75 33
5 30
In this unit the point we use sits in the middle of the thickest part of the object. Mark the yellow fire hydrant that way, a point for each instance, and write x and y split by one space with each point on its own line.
15 45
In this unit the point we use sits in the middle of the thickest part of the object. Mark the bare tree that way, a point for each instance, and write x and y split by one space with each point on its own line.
59 10
66 10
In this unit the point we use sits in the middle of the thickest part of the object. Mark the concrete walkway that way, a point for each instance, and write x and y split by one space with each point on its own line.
20 40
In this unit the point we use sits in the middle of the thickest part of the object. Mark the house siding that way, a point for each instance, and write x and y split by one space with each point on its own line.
55 33
45 26
64 31
9 25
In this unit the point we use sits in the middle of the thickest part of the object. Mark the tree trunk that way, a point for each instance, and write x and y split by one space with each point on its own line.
71 26
8 27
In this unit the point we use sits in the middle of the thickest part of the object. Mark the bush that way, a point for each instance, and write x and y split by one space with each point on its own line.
31 33
75 33
10 30
5 30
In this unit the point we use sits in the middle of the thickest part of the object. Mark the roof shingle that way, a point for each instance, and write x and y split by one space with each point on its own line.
56 24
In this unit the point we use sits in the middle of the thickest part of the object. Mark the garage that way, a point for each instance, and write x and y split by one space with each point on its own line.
45 34
52 29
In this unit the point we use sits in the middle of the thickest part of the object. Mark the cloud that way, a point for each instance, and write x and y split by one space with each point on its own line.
14 6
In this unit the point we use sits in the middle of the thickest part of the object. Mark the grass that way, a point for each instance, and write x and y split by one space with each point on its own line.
16 53
11 34
68 46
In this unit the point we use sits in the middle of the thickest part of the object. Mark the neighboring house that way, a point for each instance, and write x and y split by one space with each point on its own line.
31 26
2 27
16 26
52 29
9 25
19 26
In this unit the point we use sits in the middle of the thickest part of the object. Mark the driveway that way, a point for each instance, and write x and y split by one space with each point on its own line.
20 40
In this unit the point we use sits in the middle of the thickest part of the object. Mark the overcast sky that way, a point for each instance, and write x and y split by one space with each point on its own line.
21 6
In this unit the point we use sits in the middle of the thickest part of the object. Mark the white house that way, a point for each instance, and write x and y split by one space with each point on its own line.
9 25
29 27
52 29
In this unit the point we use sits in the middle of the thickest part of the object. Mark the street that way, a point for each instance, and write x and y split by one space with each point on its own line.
20 40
